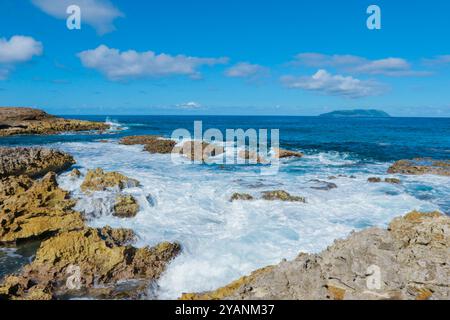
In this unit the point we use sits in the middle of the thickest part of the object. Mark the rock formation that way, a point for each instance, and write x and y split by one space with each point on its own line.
34 209
99 180
282 196
34 162
20 121
125 206
281 153
409 260
421 166
97 258
241 196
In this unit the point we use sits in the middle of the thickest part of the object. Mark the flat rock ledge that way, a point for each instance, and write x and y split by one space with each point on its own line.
409 260
420 166
23 121
33 162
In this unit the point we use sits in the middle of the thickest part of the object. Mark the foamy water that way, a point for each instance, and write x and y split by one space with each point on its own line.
224 240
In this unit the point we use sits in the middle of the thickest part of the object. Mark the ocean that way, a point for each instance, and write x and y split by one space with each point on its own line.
225 240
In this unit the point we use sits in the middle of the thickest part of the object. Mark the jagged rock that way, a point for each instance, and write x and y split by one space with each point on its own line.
281 195
252 156
160 146
20 121
133 140
387 180
117 237
421 166
75 173
241 196
410 260
100 262
125 206
281 153
99 180
198 150
34 162
37 209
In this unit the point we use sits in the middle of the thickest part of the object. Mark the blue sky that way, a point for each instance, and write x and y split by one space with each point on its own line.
226 57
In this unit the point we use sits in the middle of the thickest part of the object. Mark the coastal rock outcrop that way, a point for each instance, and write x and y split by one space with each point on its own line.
199 150
281 153
241 196
251 156
95 258
421 166
20 121
99 180
125 206
409 260
35 209
281 195
34 162
386 180
134 140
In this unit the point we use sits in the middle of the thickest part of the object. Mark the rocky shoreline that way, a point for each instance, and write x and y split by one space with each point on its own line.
411 257
23 121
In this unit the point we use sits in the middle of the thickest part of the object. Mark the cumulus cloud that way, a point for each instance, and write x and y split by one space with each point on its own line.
189 105
393 67
99 14
18 49
336 85
117 65
245 70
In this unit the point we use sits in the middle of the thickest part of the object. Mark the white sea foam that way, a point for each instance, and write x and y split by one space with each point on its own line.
224 240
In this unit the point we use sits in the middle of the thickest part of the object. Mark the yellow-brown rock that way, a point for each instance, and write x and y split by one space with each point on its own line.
36 209
34 162
99 180
100 262
125 206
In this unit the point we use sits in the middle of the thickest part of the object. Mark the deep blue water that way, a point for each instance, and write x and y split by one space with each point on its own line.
371 139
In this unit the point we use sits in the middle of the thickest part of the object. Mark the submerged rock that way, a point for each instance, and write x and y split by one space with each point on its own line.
421 166
35 209
323 185
79 262
34 162
387 180
99 180
281 195
125 206
409 260
281 153
20 121
75 173
241 196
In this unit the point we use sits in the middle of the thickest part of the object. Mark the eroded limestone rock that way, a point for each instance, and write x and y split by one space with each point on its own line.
99 180
409 260
125 206
20 121
282 196
34 209
421 166
34 162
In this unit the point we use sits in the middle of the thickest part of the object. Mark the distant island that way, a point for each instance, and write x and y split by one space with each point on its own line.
358 113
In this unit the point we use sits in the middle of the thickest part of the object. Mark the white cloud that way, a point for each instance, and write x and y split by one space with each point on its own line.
393 67
99 14
189 105
337 85
131 64
245 70
438 60
18 49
